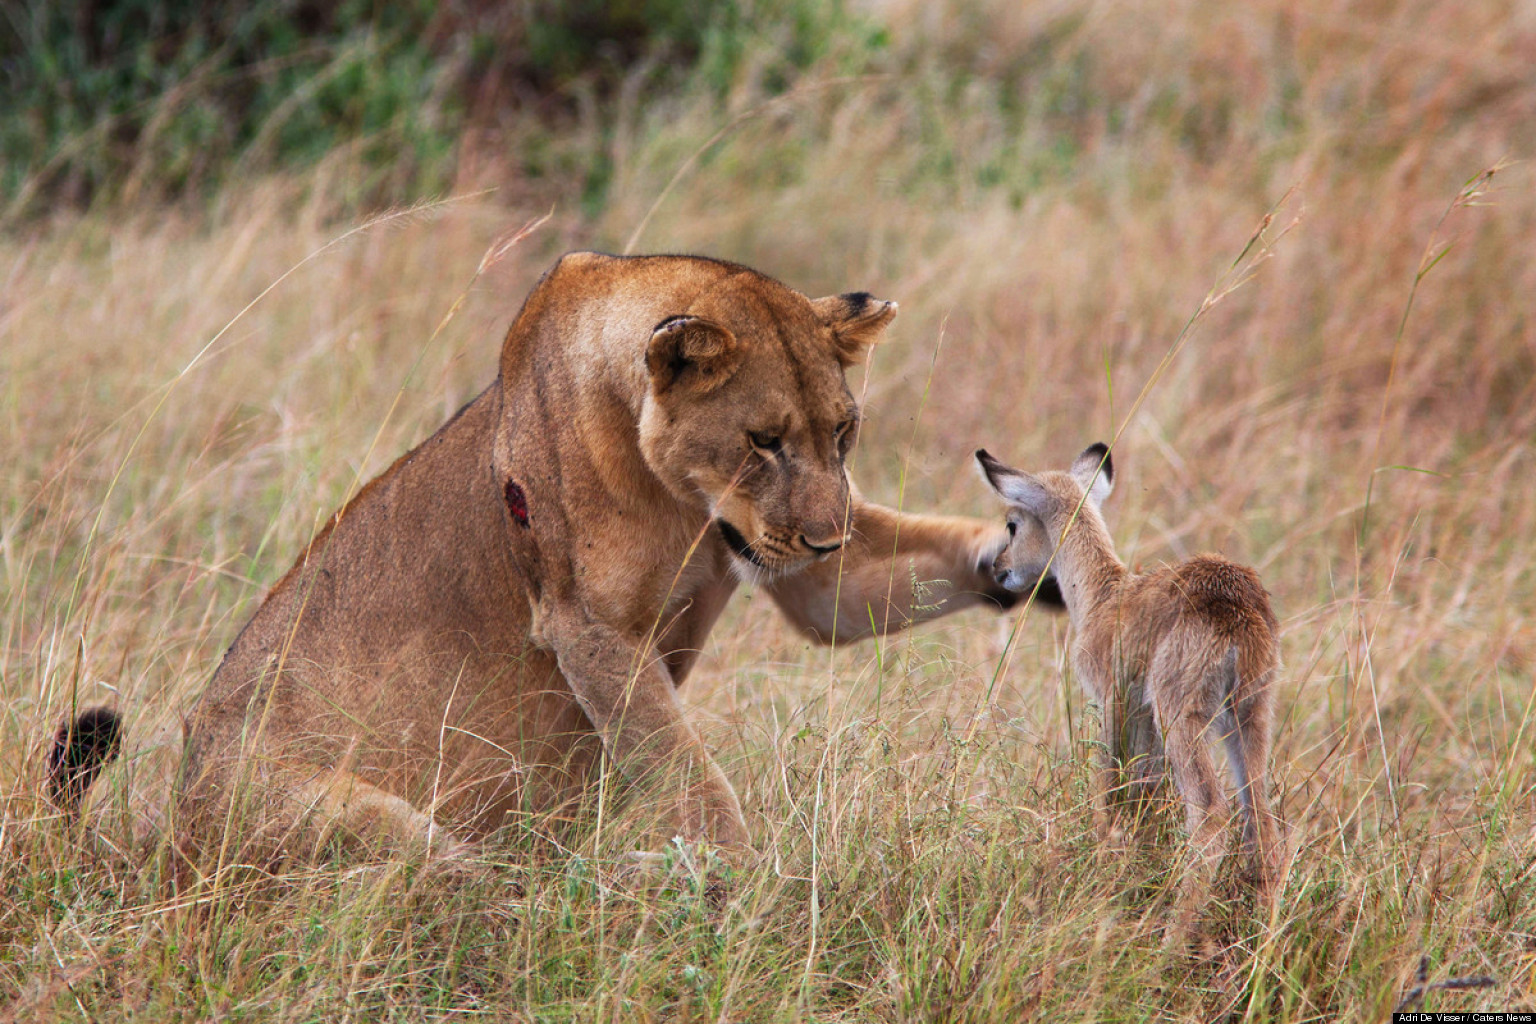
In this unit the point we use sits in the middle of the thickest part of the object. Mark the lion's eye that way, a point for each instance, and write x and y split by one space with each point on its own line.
765 441
845 433
1013 528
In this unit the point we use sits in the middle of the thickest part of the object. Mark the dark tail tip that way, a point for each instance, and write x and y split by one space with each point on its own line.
80 748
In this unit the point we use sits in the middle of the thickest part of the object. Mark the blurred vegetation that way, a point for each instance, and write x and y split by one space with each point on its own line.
110 99
105 100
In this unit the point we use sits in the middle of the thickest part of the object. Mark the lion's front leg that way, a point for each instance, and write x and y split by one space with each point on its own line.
629 696
897 569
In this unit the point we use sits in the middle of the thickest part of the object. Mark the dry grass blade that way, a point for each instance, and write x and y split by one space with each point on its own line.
1416 995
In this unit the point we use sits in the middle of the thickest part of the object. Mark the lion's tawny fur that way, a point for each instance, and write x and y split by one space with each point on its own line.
512 605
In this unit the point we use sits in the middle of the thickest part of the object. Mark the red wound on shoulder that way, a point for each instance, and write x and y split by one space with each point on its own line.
517 503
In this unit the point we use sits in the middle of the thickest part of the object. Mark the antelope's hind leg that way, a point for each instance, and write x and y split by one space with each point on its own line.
1188 722
1134 752
1248 745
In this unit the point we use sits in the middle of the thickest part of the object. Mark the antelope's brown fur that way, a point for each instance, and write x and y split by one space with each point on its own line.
1177 657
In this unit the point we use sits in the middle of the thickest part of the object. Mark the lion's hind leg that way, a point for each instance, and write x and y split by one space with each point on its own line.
338 803
258 814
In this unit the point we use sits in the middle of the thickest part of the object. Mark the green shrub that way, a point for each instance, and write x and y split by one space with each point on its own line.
165 97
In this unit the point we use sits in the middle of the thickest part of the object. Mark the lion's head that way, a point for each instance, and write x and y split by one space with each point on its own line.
749 410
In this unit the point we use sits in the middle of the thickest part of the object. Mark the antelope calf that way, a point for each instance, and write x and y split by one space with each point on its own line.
1177 656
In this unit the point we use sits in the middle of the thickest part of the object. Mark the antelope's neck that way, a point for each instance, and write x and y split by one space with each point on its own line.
1091 574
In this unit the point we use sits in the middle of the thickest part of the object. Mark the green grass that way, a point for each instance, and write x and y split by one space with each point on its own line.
1050 196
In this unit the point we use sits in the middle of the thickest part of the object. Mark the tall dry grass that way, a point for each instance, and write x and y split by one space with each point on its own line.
1051 192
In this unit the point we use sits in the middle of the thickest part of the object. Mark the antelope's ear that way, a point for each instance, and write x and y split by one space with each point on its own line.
993 471
858 321
1095 471
692 352
1015 486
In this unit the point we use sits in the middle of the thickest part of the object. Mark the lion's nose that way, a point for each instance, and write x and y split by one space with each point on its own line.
822 545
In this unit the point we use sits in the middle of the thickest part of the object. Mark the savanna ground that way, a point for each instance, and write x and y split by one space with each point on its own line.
1052 192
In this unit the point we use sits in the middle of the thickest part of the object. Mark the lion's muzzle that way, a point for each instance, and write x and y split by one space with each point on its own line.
738 544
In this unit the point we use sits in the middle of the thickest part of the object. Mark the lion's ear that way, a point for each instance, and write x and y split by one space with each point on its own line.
858 320
690 350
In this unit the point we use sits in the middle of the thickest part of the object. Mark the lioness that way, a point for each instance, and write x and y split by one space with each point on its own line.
513 604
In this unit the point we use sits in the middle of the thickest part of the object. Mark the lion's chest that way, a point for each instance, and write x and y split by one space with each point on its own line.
646 598
666 599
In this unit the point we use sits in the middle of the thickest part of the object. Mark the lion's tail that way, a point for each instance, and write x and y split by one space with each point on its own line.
81 747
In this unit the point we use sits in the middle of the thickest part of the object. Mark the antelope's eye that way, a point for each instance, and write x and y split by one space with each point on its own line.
766 441
1013 528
